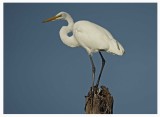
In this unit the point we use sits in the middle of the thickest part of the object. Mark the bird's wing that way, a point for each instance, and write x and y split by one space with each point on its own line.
114 46
95 37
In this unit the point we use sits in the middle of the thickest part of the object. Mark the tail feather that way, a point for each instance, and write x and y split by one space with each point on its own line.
115 47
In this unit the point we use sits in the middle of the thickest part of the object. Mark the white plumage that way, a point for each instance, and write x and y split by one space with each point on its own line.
90 36
93 38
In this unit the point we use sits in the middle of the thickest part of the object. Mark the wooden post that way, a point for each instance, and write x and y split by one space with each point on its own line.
99 103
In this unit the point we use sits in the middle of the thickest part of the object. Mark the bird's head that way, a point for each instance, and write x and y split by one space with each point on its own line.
59 16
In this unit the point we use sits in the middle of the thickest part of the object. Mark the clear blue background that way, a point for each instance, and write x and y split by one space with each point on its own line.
41 75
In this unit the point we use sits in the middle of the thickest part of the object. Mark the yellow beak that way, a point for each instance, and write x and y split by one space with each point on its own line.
52 18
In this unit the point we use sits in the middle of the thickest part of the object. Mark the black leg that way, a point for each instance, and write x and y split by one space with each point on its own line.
93 78
93 71
103 63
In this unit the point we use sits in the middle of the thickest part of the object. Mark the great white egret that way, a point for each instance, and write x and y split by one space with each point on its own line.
92 37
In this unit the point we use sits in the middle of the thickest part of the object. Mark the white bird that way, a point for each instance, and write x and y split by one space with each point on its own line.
90 36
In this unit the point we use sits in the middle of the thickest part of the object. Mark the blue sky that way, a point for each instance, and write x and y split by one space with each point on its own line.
42 75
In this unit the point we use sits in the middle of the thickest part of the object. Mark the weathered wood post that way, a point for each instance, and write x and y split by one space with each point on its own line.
99 103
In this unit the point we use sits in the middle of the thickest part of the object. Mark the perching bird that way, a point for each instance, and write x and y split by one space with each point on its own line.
90 36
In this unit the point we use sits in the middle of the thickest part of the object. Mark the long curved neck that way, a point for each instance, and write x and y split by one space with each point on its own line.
70 21
69 41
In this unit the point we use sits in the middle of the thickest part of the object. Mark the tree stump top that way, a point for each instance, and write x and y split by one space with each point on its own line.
99 101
